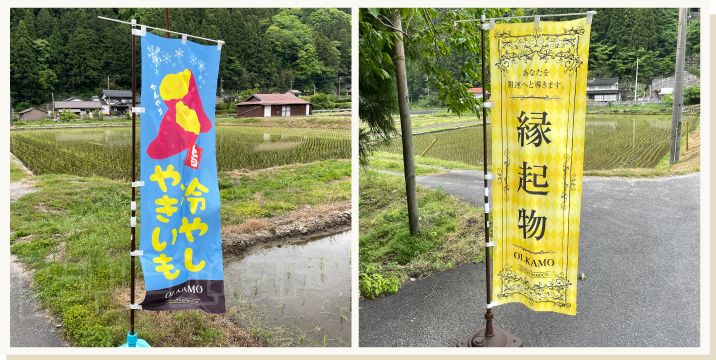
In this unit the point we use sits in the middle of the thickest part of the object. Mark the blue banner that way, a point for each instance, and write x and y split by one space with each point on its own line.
180 222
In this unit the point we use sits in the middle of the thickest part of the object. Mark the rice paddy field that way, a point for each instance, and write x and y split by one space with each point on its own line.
612 141
107 152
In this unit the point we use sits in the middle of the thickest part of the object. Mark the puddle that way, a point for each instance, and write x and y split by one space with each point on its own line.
295 294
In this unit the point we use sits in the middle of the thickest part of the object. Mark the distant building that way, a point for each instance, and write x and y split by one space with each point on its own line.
294 92
348 89
478 93
268 105
81 108
119 101
75 98
32 114
669 91
602 90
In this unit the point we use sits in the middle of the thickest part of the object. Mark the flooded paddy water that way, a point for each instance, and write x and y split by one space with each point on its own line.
296 294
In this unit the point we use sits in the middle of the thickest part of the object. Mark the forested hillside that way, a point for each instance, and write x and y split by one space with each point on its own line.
72 52
621 35
618 37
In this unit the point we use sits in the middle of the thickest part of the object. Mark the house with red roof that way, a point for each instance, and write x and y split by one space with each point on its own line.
478 93
268 105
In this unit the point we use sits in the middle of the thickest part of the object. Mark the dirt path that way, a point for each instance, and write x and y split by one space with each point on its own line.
29 326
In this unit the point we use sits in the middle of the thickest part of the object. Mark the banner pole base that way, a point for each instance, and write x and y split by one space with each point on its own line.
499 338
132 341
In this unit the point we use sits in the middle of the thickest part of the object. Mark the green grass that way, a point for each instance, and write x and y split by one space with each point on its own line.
88 216
428 161
397 166
646 108
16 173
450 233
275 192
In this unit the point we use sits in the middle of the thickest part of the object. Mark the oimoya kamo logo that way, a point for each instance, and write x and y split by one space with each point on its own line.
193 156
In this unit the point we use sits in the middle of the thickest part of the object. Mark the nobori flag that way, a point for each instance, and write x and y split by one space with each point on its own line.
180 234
539 87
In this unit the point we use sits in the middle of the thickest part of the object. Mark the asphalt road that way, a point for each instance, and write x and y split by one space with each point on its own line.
28 326
639 249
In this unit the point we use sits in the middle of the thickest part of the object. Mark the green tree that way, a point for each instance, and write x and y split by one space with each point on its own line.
24 71
692 95
307 64
433 43
45 24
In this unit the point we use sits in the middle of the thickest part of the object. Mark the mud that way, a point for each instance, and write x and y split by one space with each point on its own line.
299 226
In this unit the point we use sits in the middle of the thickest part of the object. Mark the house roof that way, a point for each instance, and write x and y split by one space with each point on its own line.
478 90
607 81
78 105
117 93
293 92
273 99
601 92
28 110
75 98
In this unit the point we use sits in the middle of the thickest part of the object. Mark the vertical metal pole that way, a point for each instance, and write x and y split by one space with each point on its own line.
488 315
166 16
633 135
134 166
678 90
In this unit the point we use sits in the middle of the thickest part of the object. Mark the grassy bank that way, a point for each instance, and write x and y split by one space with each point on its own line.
450 234
73 235
16 172
317 121
398 167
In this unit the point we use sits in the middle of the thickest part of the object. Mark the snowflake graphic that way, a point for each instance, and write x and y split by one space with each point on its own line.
156 61
156 71
179 52
153 52
174 64
201 65
167 58
199 86
193 59
203 82
199 77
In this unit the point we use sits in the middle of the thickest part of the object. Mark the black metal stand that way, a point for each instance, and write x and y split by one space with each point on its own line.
491 335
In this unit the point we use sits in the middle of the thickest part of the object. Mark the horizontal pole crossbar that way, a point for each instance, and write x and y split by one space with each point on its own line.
155 28
527 17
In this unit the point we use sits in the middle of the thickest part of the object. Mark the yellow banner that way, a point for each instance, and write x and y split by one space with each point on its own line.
539 90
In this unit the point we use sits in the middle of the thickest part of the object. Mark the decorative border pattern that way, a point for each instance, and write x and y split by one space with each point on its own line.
553 291
541 252
546 97
562 48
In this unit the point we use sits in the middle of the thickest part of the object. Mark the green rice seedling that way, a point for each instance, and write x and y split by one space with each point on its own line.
107 152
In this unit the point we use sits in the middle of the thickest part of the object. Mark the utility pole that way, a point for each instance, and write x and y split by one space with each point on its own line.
405 127
636 81
166 16
678 90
